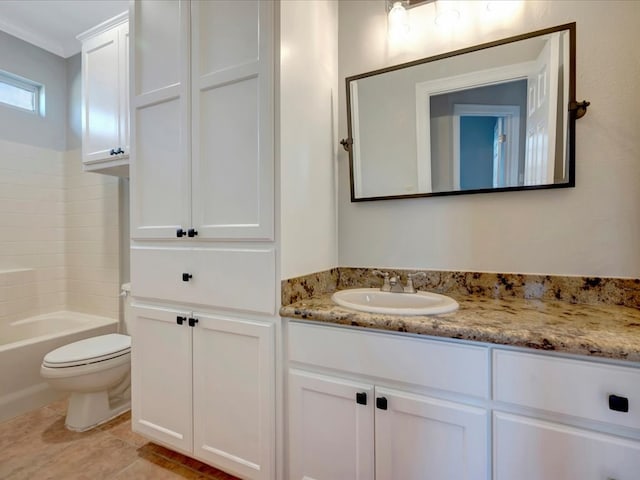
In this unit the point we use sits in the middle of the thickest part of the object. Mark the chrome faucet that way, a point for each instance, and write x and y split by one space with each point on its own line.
394 284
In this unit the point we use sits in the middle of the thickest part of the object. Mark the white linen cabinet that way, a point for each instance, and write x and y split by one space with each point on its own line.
203 257
105 97
203 120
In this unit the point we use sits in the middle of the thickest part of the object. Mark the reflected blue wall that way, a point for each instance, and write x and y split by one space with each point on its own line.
476 152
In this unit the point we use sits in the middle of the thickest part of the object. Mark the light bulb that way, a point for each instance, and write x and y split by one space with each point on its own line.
398 20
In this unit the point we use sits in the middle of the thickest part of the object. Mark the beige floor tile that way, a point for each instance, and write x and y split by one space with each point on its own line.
60 407
154 467
37 446
120 427
91 459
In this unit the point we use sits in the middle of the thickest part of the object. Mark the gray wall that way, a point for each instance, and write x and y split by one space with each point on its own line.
28 61
74 102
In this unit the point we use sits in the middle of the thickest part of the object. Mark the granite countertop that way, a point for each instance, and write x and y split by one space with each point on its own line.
608 331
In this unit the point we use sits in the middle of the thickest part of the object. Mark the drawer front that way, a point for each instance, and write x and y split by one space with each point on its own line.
528 449
444 366
241 279
571 387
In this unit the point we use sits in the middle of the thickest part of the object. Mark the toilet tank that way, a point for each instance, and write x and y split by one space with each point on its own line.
125 295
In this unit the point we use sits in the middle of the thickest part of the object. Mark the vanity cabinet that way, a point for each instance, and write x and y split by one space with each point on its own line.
556 391
105 97
203 385
202 112
360 423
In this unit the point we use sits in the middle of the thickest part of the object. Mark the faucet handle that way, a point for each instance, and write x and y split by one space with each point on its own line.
410 277
386 286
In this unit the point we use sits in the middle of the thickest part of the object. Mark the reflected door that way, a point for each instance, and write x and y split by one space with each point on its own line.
542 99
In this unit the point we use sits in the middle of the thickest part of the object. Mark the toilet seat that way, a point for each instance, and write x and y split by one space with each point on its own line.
89 351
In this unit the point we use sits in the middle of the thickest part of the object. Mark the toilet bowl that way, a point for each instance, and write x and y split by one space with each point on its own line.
96 372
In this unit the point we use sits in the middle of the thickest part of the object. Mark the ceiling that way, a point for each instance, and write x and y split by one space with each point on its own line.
54 24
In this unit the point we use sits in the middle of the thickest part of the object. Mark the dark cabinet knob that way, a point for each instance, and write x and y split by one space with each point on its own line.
361 398
180 233
186 277
192 233
180 320
112 151
192 322
119 151
618 404
381 403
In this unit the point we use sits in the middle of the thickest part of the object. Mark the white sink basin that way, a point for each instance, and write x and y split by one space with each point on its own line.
373 300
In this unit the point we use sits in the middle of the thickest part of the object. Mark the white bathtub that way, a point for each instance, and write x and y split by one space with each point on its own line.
23 345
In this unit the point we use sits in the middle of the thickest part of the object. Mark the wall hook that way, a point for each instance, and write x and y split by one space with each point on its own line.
346 143
579 107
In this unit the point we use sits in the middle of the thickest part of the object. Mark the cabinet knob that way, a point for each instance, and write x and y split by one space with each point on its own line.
192 232
118 151
180 320
112 151
192 322
186 277
361 398
180 233
618 404
381 403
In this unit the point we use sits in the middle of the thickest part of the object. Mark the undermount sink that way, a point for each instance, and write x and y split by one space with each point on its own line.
373 300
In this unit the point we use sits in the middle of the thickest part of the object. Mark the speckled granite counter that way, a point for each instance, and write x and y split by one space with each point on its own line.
599 330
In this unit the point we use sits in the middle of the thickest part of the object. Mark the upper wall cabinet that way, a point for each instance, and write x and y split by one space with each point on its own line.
105 97
202 120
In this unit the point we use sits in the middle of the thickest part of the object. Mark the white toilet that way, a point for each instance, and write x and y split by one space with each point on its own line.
97 373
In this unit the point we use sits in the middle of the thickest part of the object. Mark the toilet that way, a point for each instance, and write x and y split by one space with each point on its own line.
97 373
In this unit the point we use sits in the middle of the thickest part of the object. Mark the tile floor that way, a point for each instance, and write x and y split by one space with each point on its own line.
37 446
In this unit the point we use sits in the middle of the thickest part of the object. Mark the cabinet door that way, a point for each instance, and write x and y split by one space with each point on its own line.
232 112
101 97
234 406
418 436
529 449
161 377
160 133
330 433
123 88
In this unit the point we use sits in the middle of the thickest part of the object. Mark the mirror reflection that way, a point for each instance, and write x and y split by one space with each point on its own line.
493 117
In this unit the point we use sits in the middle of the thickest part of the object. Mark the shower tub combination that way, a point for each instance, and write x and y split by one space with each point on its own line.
23 345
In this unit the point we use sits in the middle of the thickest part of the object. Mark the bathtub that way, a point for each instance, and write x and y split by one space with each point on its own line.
23 345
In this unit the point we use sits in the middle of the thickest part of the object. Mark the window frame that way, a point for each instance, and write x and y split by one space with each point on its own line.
36 90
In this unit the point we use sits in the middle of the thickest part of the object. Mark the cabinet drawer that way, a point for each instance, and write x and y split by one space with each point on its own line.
241 279
528 449
571 387
440 365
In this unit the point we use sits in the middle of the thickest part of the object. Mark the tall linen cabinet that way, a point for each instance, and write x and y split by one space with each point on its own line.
203 253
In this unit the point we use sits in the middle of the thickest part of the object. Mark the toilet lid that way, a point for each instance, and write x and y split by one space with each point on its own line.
89 350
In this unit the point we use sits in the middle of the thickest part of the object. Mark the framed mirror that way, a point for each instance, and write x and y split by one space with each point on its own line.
495 117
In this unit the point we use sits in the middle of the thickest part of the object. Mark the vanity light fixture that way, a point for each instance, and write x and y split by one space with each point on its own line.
398 16
447 13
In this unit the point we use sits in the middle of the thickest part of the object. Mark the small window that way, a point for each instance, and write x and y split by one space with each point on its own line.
19 92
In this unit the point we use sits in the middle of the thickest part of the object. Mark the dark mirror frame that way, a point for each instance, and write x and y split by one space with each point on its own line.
575 110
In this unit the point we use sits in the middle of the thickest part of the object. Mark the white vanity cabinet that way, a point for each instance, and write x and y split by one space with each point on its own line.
202 111
348 418
556 393
204 385
105 97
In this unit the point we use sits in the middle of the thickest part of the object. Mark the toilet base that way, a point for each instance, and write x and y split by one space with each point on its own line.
88 410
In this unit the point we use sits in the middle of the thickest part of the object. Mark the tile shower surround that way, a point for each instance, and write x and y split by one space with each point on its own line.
577 290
